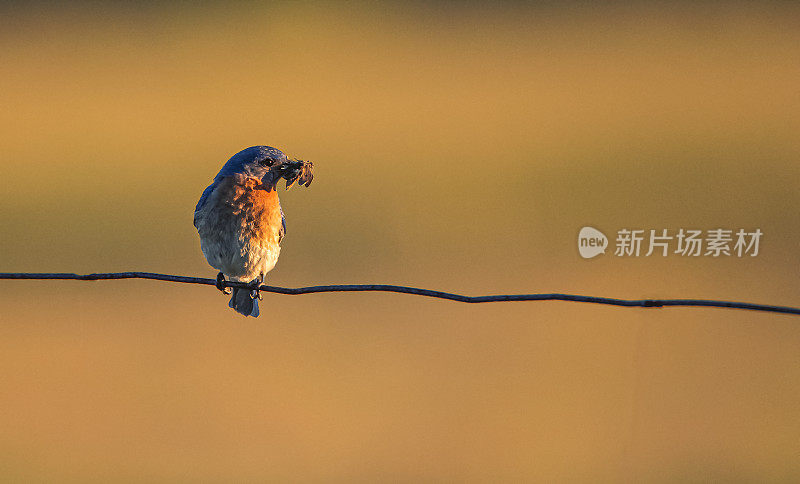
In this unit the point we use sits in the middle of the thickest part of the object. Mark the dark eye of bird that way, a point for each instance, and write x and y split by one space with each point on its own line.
266 162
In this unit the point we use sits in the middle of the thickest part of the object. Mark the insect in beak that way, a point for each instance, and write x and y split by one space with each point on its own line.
298 171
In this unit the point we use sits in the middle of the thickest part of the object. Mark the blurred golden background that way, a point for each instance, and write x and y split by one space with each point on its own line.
457 147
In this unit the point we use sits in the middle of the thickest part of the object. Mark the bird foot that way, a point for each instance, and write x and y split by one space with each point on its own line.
255 293
221 284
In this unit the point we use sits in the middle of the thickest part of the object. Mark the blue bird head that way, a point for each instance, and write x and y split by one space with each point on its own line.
256 161
266 163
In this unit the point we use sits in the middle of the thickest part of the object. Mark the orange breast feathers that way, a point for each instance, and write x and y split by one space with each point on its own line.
254 212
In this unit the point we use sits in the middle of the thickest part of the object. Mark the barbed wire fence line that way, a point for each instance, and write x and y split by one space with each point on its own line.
646 303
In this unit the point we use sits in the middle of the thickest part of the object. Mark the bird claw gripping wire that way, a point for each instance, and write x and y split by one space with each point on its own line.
255 292
221 284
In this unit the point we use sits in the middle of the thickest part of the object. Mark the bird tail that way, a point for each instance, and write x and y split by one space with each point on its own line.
242 303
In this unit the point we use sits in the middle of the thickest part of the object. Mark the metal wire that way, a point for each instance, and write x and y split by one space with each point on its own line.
647 303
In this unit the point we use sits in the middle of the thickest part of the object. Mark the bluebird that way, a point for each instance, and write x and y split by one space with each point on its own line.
240 221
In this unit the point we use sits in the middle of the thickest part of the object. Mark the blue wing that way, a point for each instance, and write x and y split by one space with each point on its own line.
283 228
203 199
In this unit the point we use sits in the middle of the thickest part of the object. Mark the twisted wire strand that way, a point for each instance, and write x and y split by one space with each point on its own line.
647 303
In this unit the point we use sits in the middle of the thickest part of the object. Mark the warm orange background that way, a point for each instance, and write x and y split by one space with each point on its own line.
455 149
